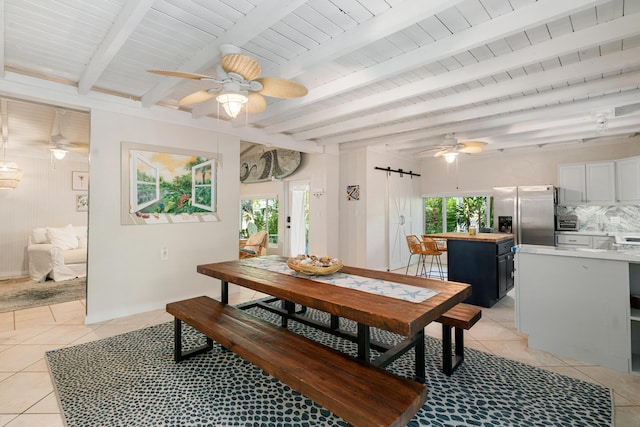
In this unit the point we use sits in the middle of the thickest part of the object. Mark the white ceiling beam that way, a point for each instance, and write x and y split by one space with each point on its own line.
470 118
263 16
2 30
609 63
451 121
592 36
4 115
126 23
501 27
399 17
563 131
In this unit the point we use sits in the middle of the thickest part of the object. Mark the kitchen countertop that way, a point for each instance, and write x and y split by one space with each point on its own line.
478 237
626 254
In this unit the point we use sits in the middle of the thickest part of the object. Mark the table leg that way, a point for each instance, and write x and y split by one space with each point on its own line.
224 291
420 357
364 342
289 307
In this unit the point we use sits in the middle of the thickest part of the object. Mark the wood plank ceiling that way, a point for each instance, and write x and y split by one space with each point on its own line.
404 75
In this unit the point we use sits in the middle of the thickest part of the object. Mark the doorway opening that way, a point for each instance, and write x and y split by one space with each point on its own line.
298 218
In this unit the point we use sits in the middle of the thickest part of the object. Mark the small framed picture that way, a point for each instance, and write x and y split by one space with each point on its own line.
79 180
82 202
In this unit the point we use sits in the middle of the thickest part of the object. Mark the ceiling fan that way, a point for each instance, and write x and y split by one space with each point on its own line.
237 85
452 147
60 145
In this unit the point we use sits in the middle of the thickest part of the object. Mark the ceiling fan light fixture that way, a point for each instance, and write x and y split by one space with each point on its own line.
232 102
450 157
59 153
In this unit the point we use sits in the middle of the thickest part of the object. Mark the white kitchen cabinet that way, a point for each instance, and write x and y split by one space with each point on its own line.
600 182
571 184
628 180
602 242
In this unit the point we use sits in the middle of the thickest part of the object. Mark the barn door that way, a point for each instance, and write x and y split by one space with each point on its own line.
399 196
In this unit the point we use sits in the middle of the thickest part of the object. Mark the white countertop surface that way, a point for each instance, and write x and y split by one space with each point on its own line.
628 254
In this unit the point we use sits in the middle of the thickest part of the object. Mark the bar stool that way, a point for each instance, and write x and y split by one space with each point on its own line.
415 248
430 248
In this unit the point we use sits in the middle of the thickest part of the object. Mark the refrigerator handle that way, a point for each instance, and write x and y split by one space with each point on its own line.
518 221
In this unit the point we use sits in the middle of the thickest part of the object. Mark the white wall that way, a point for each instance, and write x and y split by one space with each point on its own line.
363 224
481 172
125 273
42 198
321 171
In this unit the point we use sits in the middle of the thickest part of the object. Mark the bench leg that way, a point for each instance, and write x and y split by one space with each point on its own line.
451 361
178 355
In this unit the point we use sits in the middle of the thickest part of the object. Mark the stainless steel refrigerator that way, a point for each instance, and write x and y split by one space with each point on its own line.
526 211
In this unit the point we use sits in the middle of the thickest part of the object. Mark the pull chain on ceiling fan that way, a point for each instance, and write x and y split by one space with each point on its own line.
238 86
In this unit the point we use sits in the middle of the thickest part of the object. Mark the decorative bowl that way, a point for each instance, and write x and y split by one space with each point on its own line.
311 270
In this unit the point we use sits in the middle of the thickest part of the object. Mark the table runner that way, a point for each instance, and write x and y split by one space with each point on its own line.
365 284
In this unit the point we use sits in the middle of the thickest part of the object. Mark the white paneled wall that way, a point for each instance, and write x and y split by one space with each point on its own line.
43 198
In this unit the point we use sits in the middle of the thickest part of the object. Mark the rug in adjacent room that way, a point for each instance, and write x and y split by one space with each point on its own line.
132 380
30 294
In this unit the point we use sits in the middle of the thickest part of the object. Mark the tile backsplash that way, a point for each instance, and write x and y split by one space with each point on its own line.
612 219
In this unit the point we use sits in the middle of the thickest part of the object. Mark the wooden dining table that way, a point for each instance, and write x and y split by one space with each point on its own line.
405 318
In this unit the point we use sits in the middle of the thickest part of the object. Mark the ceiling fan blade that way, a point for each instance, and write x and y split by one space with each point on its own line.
241 64
195 98
281 88
255 104
182 75
472 147
442 152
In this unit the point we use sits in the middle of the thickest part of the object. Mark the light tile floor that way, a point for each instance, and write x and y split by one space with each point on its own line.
26 391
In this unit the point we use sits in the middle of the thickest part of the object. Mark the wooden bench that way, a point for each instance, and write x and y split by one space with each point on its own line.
359 392
461 317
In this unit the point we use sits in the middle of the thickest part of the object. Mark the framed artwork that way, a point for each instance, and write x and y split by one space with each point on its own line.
353 192
163 185
82 202
79 180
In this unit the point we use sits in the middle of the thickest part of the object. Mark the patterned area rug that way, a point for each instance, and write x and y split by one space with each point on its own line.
30 294
131 380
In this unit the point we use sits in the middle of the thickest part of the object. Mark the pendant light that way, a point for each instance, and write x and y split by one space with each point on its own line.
10 173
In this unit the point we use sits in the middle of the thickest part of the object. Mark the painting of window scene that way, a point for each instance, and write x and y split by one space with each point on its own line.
169 186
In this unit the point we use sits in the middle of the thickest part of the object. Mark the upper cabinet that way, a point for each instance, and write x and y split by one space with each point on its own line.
599 183
628 180
571 184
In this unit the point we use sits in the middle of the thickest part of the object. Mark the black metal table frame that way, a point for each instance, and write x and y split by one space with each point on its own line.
362 338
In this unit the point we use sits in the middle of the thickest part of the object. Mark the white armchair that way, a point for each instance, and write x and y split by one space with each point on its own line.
58 252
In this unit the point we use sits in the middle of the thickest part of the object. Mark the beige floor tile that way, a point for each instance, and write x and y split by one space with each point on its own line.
487 329
105 331
570 371
518 350
48 405
6 418
627 416
22 390
40 366
18 336
6 321
69 313
34 317
63 334
21 356
37 420
628 386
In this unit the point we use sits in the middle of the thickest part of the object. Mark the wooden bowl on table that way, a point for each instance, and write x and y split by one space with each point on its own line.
314 270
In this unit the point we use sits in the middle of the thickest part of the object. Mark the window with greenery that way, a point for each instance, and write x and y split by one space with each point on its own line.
457 213
257 215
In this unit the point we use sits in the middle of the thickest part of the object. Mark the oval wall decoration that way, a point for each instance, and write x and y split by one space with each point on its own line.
263 166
